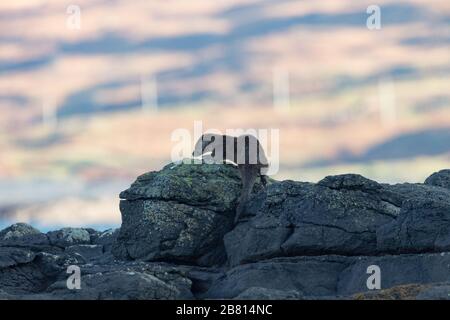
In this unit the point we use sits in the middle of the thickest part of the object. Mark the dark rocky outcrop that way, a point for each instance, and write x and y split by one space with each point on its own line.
27 274
180 213
440 179
339 215
295 240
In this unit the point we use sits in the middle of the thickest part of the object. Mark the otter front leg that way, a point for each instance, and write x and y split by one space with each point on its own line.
249 173
264 180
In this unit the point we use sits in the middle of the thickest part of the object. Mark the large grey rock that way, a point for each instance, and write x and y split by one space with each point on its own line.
10 257
395 270
22 234
106 239
17 272
339 215
422 226
89 252
327 276
309 276
440 179
69 237
179 214
116 285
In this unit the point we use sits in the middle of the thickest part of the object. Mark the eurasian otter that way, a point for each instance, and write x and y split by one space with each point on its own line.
245 151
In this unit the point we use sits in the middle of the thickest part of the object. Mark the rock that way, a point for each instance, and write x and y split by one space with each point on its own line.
402 292
295 240
87 251
69 236
18 275
395 270
309 276
422 226
22 234
439 291
179 214
10 257
106 239
328 276
202 278
52 265
258 293
339 215
117 285
440 179
211 186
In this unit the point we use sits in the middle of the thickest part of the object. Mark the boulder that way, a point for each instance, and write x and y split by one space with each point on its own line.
89 252
22 234
308 276
18 273
106 239
180 213
339 215
422 226
116 285
10 257
69 236
395 270
327 276
440 179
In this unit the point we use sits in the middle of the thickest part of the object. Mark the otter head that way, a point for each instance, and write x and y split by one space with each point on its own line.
204 141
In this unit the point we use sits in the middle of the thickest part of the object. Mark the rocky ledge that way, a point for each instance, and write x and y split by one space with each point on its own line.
296 240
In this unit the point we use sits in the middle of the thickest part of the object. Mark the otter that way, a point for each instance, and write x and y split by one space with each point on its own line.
244 151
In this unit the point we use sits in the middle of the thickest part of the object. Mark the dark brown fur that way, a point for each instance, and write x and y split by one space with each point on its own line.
249 171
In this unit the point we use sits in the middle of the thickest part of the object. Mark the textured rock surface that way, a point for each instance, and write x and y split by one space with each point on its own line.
21 234
309 276
439 291
295 241
346 215
395 270
440 179
27 274
258 293
339 215
180 213
422 226
69 236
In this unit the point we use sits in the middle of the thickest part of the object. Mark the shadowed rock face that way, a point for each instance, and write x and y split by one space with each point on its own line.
339 215
347 215
296 240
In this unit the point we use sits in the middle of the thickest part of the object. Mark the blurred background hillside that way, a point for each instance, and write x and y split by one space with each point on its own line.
84 111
